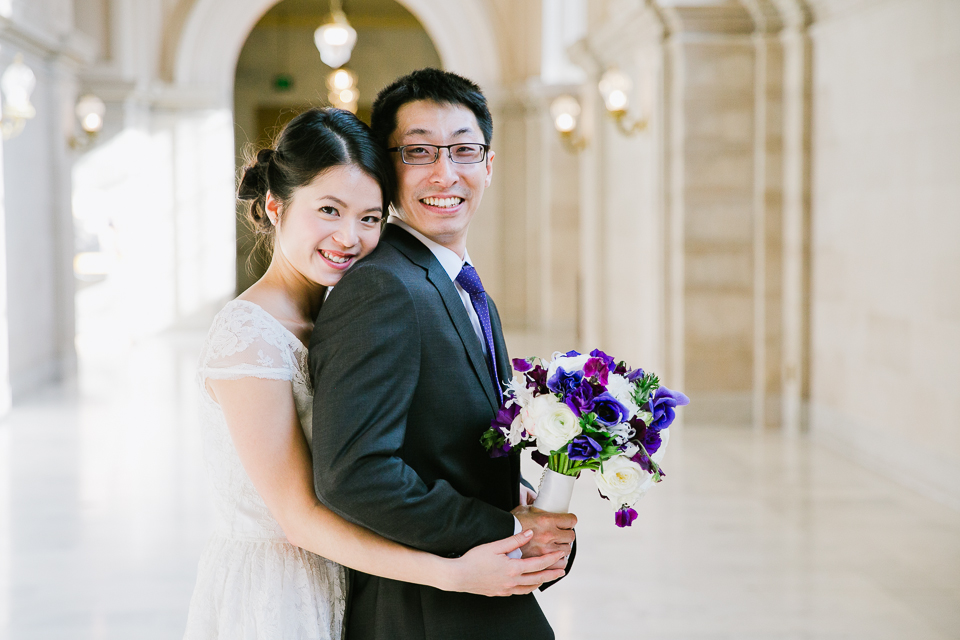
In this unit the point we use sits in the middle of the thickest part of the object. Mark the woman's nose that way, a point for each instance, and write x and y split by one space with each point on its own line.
346 235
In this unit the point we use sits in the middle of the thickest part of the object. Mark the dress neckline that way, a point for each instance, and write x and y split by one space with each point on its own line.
296 341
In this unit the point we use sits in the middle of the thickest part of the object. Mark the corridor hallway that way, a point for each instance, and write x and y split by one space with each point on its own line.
105 507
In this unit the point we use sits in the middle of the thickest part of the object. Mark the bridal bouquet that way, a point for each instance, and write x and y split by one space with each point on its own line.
587 412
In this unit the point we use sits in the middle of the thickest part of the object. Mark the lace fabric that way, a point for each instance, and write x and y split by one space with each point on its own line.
251 583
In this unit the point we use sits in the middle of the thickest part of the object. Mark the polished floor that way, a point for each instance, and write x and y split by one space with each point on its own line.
104 510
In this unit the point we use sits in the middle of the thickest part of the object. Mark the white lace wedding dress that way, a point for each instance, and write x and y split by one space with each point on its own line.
252 583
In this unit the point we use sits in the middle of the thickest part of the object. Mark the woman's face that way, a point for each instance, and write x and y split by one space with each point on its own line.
328 224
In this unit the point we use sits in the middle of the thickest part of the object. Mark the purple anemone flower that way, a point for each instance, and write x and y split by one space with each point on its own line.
635 375
609 410
580 400
625 517
564 382
662 406
583 448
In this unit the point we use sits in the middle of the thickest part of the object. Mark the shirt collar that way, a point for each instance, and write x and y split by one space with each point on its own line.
447 258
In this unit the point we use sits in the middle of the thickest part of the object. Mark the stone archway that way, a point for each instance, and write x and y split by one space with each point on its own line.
215 30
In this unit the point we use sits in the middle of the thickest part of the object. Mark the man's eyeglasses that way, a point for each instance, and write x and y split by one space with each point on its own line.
461 153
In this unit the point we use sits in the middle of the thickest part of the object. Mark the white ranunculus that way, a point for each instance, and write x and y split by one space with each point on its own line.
572 363
622 389
551 421
623 481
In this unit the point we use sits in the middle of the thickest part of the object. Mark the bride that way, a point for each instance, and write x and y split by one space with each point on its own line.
274 567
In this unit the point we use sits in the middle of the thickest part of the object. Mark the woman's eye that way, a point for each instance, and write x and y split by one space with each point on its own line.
330 211
373 219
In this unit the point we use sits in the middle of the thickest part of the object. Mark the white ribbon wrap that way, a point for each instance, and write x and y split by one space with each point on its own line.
555 493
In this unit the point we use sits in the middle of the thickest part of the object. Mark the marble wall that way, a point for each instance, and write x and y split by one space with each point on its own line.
886 237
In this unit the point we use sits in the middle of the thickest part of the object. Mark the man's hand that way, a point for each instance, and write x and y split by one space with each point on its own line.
551 532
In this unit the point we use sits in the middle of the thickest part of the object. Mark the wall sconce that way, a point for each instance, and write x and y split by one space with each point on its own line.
565 110
90 111
336 38
343 90
17 84
615 88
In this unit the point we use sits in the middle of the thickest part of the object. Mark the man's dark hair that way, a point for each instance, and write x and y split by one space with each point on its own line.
437 85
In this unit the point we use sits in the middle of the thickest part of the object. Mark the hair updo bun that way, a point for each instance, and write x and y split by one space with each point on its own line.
254 186
311 143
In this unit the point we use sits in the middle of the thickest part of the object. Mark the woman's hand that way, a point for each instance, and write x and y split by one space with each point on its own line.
527 495
486 570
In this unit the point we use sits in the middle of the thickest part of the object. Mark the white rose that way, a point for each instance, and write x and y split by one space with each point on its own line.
622 389
623 481
551 421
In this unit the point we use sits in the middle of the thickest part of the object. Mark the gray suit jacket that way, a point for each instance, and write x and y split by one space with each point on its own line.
402 396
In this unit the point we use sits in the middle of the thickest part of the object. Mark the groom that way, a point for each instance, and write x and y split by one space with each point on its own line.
408 360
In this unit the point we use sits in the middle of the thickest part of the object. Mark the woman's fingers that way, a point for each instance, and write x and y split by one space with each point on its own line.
512 543
537 579
539 563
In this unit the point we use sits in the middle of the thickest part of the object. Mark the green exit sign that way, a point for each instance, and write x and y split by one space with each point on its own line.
283 82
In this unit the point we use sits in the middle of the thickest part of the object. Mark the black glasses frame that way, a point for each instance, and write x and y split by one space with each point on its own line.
436 155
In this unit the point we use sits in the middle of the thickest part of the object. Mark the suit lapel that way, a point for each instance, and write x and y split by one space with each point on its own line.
422 256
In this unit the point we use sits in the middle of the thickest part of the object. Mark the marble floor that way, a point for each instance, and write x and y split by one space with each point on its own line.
104 511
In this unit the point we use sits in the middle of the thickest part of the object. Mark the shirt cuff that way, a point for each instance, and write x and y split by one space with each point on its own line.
516 554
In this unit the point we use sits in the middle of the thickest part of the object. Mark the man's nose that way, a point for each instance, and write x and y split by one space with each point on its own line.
444 169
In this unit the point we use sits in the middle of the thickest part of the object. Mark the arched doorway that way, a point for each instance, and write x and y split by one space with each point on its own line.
214 33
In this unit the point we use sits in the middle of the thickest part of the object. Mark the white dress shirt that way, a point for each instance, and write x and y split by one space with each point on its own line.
452 263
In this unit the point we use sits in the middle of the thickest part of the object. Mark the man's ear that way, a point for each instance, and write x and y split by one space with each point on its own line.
272 206
490 155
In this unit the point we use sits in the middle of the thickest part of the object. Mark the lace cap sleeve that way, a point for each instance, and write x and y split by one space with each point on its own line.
245 342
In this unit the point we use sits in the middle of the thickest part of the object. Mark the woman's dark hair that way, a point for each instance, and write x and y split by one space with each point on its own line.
436 85
311 143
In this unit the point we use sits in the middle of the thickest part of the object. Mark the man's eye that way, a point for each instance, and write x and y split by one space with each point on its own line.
418 151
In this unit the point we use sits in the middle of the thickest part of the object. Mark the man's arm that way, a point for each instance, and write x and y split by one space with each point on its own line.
365 360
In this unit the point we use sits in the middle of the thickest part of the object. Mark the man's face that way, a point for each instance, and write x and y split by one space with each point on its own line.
439 199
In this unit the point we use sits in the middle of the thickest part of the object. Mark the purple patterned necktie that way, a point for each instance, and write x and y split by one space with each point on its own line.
470 282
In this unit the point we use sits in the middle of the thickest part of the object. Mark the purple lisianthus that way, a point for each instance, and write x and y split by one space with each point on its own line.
598 365
501 451
651 441
583 448
635 375
662 406
643 459
595 367
580 400
572 353
521 366
537 379
540 458
621 368
505 417
609 410
564 382
625 517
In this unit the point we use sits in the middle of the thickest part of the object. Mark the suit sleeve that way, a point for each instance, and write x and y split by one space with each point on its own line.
365 360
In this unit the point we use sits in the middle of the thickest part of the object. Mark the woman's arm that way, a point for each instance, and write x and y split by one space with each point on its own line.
266 432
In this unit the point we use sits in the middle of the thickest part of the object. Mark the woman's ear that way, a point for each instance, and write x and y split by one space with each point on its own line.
272 206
